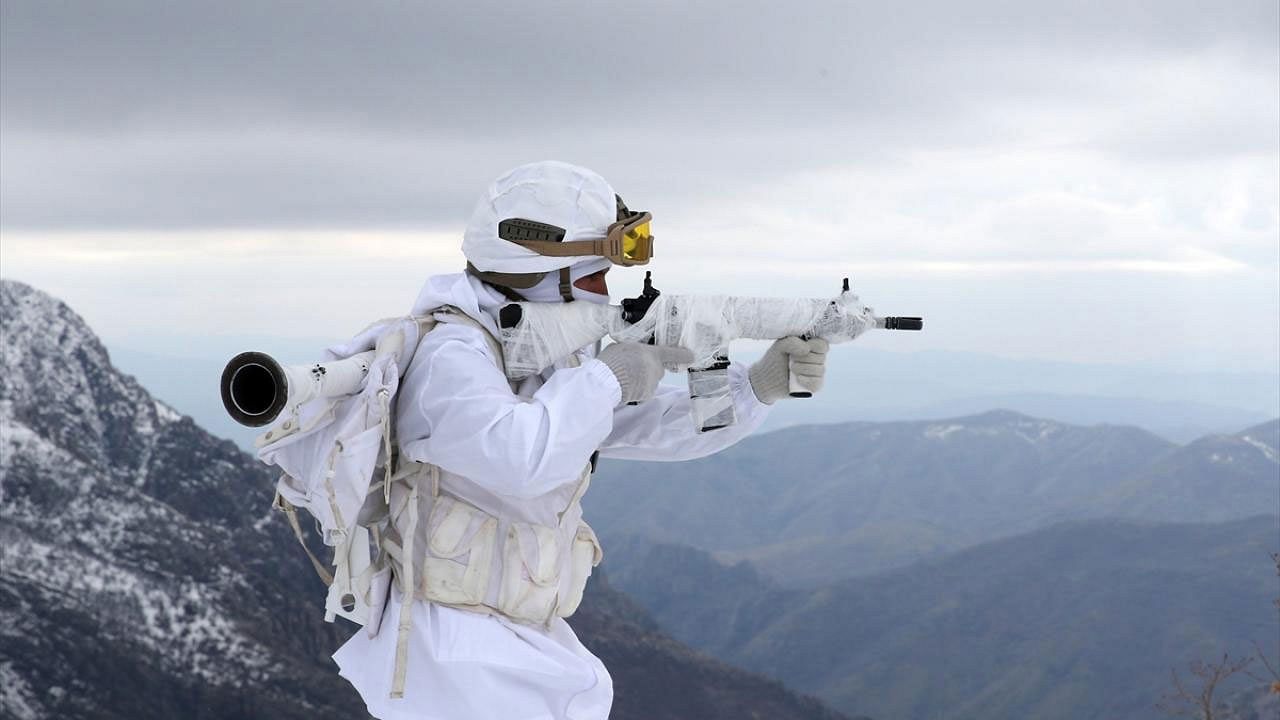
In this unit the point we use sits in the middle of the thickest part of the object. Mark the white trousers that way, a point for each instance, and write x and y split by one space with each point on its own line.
465 666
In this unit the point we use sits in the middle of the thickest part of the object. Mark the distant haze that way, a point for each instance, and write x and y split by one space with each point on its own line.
861 385
1056 181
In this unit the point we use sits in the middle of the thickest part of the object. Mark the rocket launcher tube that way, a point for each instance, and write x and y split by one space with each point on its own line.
256 388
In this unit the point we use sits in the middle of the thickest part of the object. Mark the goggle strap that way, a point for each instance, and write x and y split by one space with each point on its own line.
521 281
572 248
566 287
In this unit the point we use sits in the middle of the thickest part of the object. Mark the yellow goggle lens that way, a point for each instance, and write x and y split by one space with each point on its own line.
632 237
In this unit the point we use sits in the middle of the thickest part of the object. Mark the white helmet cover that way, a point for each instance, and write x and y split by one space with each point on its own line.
552 192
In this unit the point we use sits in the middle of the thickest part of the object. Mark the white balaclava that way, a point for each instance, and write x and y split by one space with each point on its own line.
548 288
556 193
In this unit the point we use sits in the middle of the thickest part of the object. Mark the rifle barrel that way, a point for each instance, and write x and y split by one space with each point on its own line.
902 323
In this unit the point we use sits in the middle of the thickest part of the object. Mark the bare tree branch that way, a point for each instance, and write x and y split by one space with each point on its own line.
1183 702
1260 654
1200 704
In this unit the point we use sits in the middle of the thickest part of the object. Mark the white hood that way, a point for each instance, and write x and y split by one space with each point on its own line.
470 295
460 290
465 292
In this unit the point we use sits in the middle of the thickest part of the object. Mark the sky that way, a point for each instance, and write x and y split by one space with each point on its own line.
1090 182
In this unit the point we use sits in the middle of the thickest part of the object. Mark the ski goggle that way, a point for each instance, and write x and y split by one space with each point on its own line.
626 242
631 240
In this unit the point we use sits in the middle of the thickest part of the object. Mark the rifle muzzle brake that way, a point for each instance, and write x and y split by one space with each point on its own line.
903 323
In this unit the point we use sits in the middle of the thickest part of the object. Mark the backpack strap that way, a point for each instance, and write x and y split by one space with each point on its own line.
408 583
291 513
408 587
495 345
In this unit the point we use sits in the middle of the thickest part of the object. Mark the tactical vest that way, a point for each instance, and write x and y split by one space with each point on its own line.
445 548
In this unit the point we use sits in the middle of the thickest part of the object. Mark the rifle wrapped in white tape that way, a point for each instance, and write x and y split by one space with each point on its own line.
536 335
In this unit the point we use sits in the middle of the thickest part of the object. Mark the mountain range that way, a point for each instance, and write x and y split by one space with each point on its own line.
1176 421
816 503
142 574
995 565
1079 620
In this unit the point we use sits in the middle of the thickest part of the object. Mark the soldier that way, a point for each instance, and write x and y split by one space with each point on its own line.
500 553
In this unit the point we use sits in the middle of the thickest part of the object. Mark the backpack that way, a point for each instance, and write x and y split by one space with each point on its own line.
332 449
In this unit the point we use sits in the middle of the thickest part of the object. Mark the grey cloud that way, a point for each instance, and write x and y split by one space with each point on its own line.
498 65
301 179
305 113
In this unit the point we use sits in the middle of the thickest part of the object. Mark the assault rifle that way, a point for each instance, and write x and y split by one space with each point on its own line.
256 388
536 335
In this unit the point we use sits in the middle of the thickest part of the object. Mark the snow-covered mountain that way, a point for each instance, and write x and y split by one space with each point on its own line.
143 576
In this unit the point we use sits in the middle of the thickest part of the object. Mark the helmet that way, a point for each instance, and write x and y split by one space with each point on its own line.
551 216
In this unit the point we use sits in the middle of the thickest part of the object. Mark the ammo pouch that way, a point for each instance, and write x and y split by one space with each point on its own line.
450 552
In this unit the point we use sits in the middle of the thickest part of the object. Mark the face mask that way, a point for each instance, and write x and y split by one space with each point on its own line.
583 295
548 289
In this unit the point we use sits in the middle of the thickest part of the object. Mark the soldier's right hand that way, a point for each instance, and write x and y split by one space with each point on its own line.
639 367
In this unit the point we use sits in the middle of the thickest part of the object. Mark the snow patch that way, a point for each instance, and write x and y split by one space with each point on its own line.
16 695
263 522
1035 437
1267 451
19 441
182 622
940 432
1034 431
166 413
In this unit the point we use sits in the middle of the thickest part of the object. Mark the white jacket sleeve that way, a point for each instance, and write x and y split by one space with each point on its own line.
456 410
662 428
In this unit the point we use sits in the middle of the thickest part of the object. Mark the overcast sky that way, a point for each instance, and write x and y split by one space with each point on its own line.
1083 181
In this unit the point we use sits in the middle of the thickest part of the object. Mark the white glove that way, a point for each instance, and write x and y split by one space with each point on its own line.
639 367
789 359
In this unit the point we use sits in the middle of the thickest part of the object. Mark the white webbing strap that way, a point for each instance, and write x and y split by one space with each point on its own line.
494 345
384 399
408 587
332 495
407 590
583 481
291 514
